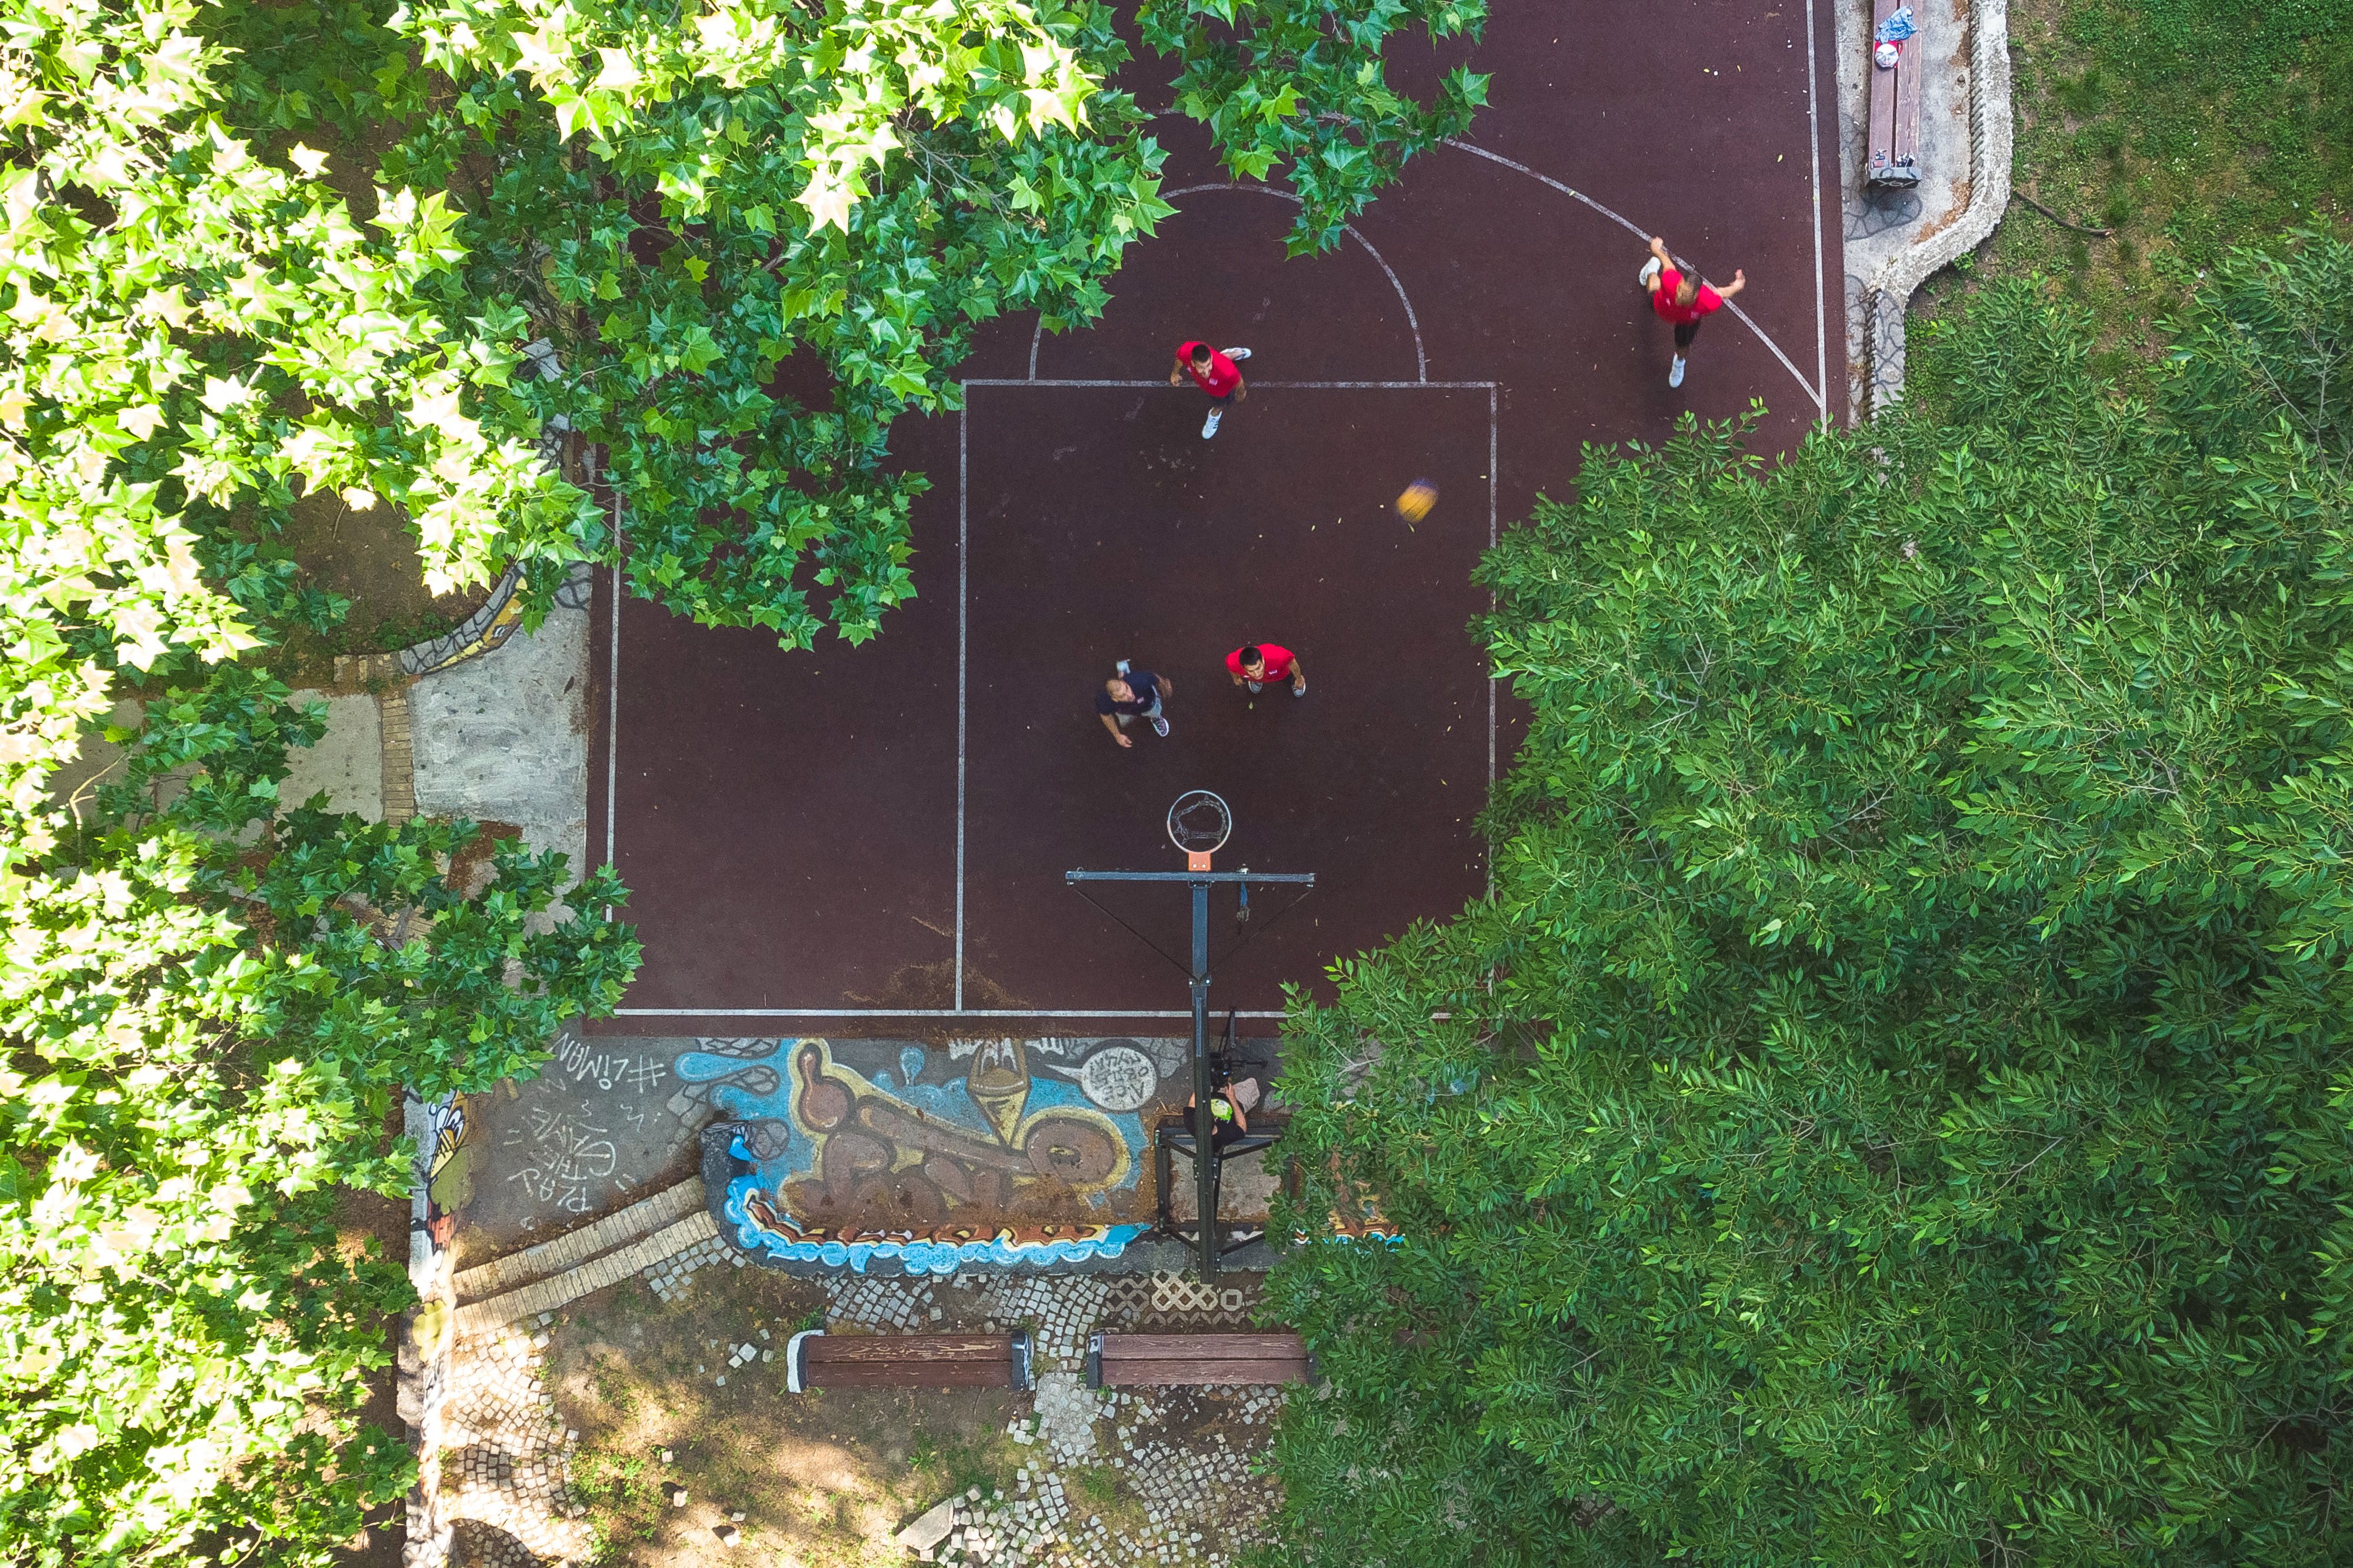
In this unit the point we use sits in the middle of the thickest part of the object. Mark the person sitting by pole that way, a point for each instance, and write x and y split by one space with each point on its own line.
1228 1121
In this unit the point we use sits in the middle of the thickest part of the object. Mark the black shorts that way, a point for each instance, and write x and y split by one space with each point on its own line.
1684 332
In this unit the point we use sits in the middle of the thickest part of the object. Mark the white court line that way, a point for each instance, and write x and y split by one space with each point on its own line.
1420 360
964 599
1814 170
1491 610
1820 405
963 603
1296 385
613 699
923 1013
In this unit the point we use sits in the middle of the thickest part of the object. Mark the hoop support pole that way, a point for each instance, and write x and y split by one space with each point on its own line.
1205 1171
1302 879
1204 1161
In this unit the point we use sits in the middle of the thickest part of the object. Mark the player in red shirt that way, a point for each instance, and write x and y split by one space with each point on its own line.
1681 298
1257 665
1213 372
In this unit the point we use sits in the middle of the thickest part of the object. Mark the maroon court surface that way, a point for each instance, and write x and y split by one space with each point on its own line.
870 840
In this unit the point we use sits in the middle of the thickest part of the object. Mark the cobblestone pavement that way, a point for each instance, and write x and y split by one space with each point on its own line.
1184 1457
671 1276
508 1455
1201 1502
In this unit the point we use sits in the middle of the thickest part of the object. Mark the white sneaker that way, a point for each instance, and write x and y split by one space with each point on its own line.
1237 354
1209 425
1159 725
1650 271
1675 373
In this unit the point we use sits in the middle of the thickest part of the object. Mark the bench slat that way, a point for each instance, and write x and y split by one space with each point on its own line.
830 1351
1895 108
918 1374
1222 1347
1195 1373
1907 103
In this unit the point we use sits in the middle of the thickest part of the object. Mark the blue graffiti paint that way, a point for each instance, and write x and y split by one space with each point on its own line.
915 1253
942 1101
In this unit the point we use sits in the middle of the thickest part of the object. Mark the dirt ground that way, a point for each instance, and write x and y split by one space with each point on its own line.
370 558
827 1479
366 1220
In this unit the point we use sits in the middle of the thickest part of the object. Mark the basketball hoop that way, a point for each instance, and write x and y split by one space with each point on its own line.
1198 824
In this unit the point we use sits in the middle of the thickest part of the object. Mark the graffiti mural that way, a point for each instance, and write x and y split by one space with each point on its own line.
995 1150
448 1156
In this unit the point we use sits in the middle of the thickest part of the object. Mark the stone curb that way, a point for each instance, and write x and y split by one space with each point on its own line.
574 1248
1888 296
422 1385
582 1279
485 629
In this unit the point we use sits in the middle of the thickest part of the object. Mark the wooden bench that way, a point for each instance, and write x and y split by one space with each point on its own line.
1198 1361
814 1358
1895 157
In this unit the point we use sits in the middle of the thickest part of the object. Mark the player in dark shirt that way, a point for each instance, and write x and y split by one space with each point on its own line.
1227 1122
1130 695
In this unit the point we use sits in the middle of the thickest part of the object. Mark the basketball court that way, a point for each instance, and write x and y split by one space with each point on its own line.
874 840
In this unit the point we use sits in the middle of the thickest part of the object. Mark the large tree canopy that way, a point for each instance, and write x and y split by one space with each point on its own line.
756 237
1891 1107
209 997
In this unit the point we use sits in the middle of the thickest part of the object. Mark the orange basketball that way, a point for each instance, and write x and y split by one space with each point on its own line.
1419 497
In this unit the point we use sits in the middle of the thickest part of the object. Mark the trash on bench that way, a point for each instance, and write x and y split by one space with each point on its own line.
814 1358
1896 61
1198 1361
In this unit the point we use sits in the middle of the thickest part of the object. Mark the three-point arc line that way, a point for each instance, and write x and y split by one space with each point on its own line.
1420 360
1814 395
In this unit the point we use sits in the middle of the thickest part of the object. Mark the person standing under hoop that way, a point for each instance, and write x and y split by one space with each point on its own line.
1682 299
1259 665
1213 372
1130 695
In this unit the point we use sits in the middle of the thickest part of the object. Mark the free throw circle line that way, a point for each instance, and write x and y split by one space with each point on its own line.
1413 324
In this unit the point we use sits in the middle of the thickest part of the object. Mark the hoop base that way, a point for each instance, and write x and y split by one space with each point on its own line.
1196 859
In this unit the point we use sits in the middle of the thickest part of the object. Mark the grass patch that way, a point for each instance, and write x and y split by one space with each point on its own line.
1100 1489
2186 127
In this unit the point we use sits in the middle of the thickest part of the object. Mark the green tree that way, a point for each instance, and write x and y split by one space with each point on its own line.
1301 87
207 1005
1895 1107
753 240
682 209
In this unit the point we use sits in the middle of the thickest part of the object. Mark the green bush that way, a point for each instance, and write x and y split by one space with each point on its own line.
1895 1106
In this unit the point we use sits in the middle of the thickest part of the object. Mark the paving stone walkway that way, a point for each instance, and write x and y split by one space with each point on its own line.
1185 1482
1187 1456
509 1455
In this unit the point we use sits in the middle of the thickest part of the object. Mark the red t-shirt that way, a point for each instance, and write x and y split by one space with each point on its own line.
1219 379
1663 299
1278 662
